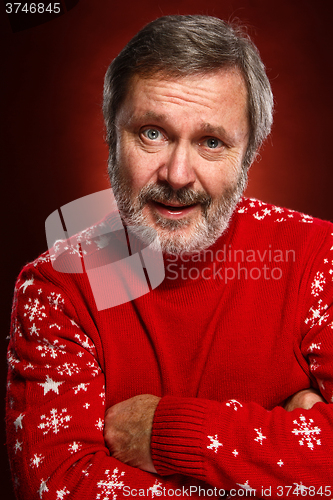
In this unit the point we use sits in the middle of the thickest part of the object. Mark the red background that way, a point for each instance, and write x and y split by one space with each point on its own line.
52 129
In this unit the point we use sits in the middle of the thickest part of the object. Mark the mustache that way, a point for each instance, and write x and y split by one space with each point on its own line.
164 193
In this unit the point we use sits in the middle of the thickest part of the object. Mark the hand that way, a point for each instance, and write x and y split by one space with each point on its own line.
127 430
303 399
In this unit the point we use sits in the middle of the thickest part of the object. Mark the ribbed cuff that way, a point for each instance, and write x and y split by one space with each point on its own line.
177 436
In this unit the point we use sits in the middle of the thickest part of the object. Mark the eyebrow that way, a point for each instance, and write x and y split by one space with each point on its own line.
216 130
149 115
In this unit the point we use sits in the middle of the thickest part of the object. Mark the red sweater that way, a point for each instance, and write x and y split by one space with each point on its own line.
225 339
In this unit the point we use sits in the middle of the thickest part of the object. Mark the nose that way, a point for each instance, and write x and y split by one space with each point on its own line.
177 169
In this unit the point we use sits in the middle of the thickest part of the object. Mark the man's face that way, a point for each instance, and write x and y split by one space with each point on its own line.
180 149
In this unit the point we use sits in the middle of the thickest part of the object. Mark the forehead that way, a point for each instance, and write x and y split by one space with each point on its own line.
210 98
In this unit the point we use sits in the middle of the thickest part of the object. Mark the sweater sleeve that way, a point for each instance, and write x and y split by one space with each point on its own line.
55 403
237 445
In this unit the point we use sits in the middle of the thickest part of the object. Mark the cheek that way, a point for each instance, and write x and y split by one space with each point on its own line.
219 178
137 169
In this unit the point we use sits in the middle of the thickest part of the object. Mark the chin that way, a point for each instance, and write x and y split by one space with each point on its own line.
189 237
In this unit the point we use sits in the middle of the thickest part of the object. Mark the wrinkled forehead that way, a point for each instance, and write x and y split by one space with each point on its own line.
212 85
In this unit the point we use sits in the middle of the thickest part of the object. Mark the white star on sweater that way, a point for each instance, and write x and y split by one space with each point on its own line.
99 424
36 460
26 284
214 445
29 365
260 436
42 488
246 486
80 387
61 493
18 422
156 489
34 330
74 447
18 446
50 385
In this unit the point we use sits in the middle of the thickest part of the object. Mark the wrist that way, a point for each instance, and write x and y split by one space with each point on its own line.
177 435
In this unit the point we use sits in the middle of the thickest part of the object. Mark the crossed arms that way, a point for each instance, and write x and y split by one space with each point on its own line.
128 426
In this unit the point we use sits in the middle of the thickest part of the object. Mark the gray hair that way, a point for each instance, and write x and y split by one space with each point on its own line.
186 45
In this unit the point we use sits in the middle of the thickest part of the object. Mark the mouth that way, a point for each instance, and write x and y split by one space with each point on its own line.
173 210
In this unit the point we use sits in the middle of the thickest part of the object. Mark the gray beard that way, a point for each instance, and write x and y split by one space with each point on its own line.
214 220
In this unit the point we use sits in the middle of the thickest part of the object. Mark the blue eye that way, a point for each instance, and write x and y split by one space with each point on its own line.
213 143
152 134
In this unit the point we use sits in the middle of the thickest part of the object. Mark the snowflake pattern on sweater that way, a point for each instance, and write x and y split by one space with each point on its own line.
59 362
313 433
57 396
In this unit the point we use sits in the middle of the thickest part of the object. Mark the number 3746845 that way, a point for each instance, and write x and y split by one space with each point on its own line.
33 8
303 491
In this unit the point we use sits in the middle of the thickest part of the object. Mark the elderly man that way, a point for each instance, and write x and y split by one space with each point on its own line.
197 377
